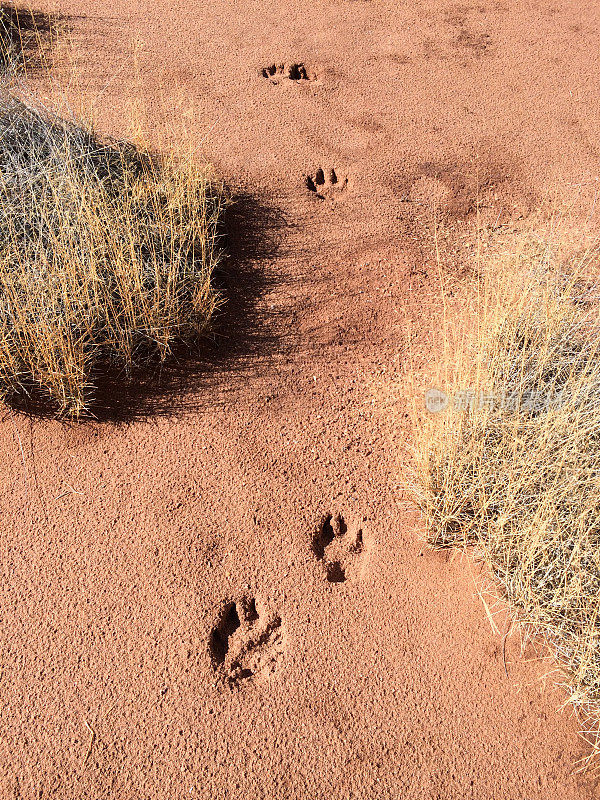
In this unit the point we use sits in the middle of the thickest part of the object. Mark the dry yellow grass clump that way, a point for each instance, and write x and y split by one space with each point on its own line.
106 254
510 459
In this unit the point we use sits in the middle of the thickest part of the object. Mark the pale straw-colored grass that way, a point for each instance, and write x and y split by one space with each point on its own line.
512 465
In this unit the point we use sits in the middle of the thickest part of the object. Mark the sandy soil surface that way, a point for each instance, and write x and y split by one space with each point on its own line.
224 593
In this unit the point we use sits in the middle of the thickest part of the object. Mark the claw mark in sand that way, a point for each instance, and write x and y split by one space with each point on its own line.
244 645
339 547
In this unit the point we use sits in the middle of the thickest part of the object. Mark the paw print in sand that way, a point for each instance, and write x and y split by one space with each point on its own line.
325 183
297 73
340 547
245 645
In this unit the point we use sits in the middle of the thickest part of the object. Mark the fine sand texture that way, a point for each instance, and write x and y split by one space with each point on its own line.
219 590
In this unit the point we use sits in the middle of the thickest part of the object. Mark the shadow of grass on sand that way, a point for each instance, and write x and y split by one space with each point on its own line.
26 35
241 333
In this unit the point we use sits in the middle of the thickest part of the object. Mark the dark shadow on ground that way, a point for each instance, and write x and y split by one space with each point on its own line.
26 36
242 332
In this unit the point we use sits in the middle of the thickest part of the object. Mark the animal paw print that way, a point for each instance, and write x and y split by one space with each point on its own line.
244 645
325 184
298 73
340 548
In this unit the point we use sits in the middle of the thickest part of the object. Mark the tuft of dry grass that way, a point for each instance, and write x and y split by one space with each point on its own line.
511 465
106 254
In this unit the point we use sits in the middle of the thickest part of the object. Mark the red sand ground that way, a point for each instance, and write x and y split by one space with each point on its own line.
123 544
